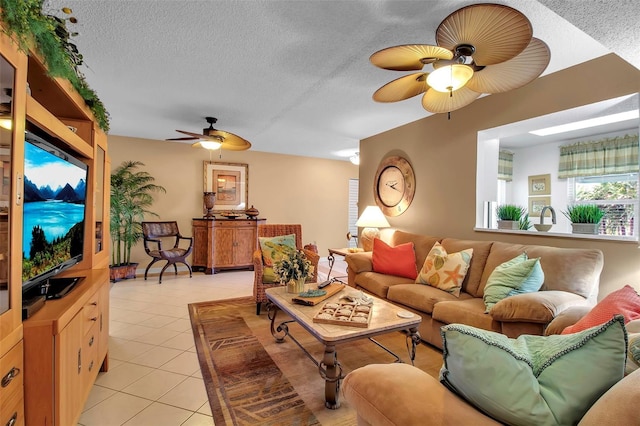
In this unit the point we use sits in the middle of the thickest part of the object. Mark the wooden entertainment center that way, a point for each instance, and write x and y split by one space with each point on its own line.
49 362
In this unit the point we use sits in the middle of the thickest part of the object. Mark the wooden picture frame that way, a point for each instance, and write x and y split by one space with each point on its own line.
536 204
539 185
230 182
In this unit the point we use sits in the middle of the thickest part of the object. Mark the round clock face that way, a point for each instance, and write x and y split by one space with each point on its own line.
391 186
394 185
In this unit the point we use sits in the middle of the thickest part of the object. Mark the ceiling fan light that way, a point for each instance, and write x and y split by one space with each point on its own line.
211 145
449 78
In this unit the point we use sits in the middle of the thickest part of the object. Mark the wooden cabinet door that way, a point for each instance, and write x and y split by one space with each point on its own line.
69 377
103 327
244 245
223 247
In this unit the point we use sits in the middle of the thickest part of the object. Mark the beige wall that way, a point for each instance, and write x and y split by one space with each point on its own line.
286 189
443 155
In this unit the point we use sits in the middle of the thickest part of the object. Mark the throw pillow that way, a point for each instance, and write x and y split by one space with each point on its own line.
624 301
533 380
516 276
399 260
274 248
445 271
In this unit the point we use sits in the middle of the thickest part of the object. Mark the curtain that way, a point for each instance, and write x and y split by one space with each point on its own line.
601 157
505 166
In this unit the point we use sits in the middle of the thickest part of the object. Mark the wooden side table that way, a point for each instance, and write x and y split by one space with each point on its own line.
336 252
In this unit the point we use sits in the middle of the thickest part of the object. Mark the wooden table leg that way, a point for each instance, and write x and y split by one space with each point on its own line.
331 372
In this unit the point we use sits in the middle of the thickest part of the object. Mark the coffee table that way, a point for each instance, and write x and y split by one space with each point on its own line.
384 319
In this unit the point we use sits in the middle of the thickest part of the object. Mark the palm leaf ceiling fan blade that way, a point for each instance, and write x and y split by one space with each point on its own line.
514 73
440 102
227 140
402 88
409 57
497 32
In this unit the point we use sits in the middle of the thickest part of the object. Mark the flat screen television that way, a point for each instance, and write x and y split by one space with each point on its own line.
55 193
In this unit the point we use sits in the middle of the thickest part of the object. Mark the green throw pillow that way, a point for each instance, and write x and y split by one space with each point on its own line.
533 380
274 248
516 276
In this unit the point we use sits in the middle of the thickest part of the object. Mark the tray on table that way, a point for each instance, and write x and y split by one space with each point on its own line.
331 289
345 313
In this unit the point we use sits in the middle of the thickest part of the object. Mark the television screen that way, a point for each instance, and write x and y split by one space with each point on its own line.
55 190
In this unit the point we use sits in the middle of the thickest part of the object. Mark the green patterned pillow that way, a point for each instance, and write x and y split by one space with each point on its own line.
533 380
274 248
516 276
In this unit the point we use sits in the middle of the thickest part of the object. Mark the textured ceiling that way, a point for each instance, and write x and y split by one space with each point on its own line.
290 76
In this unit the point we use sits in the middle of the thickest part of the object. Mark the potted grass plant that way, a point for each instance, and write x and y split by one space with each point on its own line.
585 218
509 216
131 196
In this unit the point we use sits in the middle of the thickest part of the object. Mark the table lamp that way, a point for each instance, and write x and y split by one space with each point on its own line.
371 219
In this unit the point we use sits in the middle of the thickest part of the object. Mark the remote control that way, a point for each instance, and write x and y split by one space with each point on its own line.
324 284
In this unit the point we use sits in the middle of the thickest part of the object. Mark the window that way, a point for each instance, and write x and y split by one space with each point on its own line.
616 195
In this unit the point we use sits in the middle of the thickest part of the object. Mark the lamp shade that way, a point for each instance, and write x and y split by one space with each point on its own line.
372 217
450 77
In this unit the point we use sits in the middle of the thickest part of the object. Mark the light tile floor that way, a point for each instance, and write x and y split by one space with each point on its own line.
154 377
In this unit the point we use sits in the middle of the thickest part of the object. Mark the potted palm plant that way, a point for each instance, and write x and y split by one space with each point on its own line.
585 218
509 216
131 191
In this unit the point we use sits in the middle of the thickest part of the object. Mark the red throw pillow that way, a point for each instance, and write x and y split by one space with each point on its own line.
625 302
399 260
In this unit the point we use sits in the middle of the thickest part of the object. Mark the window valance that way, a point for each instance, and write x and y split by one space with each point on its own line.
601 157
505 165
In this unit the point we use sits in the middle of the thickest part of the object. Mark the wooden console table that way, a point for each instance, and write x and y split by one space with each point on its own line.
220 244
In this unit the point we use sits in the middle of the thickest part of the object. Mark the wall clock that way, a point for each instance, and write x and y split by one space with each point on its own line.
394 185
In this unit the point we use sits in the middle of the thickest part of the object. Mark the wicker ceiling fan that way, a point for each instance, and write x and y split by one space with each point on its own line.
481 48
212 138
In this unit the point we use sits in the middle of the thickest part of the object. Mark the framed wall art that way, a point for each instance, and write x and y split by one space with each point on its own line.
230 182
539 185
536 204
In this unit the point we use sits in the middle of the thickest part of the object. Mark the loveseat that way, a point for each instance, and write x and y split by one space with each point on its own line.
571 279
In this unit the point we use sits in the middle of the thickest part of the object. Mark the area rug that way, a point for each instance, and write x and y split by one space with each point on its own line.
250 379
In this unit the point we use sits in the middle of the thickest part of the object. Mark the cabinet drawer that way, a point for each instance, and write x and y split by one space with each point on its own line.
12 410
11 375
90 365
90 314
234 223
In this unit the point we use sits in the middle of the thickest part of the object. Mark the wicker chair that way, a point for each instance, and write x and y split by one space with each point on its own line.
274 231
154 233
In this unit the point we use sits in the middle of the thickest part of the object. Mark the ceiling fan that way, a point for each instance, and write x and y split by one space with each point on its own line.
481 48
212 138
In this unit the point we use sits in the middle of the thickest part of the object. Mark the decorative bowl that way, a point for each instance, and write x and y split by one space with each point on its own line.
231 215
542 227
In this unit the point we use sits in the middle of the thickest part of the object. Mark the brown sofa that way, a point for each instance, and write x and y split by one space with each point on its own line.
400 394
571 280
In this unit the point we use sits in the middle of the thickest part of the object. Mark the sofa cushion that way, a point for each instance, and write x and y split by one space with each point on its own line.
469 311
443 270
481 250
379 284
422 244
516 276
573 270
274 248
398 260
420 297
617 406
533 380
401 394
538 307
624 301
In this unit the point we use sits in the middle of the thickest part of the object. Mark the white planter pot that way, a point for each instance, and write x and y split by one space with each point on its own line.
585 228
508 224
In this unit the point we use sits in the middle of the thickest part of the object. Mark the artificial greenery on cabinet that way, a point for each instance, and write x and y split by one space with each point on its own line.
31 27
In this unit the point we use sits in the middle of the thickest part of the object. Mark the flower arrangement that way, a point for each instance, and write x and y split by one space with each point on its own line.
293 266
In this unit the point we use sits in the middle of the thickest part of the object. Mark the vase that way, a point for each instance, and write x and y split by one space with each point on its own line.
295 286
209 201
